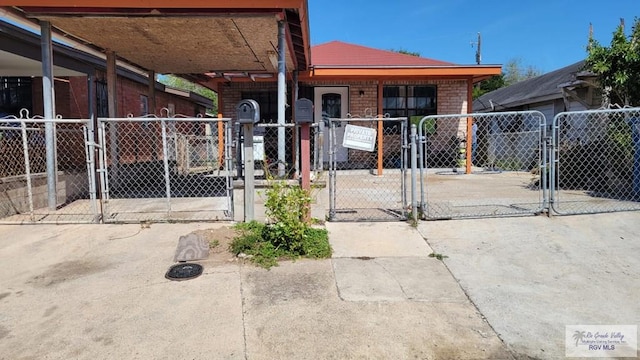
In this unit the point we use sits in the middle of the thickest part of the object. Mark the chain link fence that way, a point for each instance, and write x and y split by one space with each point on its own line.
596 162
507 155
25 181
367 169
165 169
268 166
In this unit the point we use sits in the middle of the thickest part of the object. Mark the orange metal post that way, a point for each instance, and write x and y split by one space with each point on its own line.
469 124
221 134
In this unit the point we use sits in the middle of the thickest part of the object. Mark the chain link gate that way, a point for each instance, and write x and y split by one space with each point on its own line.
24 179
165 169
357 192
509 160
596 161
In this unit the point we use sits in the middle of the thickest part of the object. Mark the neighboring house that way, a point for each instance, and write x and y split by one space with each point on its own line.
567 89
570 88
21 82
21 88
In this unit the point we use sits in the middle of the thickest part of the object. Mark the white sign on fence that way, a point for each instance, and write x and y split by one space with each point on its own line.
359 138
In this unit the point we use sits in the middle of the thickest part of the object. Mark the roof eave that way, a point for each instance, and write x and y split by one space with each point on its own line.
474 72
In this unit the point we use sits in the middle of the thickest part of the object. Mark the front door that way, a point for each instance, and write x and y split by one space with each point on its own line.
332 102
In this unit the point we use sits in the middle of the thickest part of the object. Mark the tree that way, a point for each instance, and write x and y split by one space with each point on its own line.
406 52
618 66
514 72
182 84
493 83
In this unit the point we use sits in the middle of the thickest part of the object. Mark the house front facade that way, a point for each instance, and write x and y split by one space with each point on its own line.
348 80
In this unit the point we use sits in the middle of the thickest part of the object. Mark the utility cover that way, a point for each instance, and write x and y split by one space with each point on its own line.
359 138
184 271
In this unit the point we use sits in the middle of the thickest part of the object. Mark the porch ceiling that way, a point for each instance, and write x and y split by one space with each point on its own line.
16 65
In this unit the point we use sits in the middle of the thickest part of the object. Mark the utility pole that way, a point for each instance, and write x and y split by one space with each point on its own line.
479 50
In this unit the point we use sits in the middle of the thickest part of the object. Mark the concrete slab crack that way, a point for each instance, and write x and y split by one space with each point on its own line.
395 279
244 325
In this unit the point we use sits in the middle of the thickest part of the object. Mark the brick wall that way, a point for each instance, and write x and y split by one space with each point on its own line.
451 99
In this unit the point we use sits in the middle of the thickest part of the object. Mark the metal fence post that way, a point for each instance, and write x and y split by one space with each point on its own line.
165 160
414 164
228 156
89 154
332 172
27 167
403 166
423 143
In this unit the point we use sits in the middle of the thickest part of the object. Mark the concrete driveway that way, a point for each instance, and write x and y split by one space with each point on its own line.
532 276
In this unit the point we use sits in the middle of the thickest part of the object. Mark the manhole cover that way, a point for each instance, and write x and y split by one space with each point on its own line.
184 271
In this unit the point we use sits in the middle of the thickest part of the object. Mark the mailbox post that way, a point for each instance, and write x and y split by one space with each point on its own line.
304 118
248 112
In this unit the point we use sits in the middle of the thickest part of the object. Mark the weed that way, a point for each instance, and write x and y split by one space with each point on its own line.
438 256
287 235
315 244
214 243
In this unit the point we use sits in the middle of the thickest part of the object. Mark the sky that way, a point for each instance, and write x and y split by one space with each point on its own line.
546 34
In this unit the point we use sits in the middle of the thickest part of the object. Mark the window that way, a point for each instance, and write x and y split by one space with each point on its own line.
144 105
407 101
15 94
268 101
102 99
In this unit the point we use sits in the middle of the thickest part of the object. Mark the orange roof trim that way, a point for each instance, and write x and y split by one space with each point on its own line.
157 4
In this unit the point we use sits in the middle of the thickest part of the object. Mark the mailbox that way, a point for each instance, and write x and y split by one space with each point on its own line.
304 111
248 112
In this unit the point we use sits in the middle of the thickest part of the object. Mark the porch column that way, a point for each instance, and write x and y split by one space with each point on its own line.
281 99
49 104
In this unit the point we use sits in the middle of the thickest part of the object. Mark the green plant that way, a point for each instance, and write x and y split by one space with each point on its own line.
438 256
214 243
287 208
315 244
288 233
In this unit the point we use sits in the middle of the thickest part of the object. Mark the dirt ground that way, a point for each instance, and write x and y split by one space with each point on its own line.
219 240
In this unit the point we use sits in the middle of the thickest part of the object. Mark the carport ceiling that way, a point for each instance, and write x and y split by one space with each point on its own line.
183 44
182 36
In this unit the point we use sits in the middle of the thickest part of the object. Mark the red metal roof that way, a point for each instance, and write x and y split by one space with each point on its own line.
337 53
